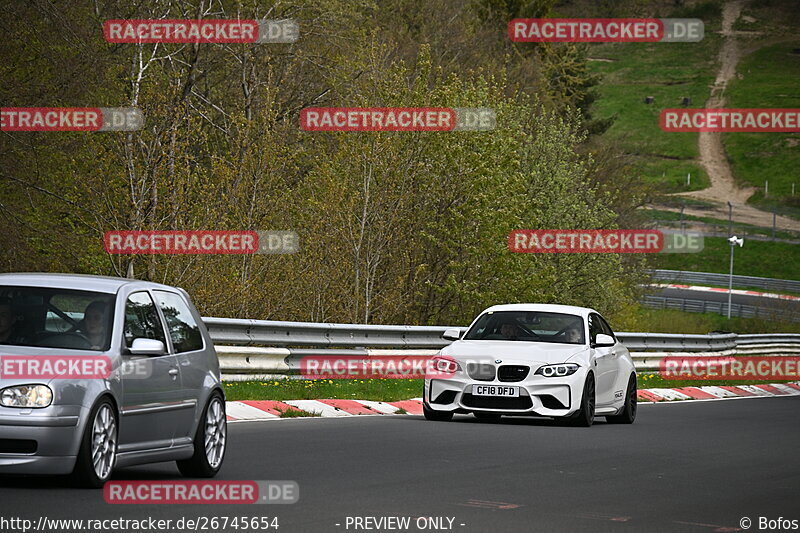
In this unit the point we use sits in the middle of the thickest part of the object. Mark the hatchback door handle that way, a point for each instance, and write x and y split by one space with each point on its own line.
173 372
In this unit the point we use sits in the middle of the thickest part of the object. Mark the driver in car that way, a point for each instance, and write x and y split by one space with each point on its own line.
509 331
94 319
573 334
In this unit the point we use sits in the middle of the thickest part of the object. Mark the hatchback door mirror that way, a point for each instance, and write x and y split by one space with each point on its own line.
451 334
603 340
147 347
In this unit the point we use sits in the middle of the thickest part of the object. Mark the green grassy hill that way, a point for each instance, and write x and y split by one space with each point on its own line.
768 76
669 72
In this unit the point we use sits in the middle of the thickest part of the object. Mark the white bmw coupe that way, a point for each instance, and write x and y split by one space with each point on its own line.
554 361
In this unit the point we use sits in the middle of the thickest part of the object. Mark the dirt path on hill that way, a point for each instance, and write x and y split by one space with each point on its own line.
713 159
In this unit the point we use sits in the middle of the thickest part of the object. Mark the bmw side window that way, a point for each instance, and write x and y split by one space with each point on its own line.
606 328
594 327
183 329
141 319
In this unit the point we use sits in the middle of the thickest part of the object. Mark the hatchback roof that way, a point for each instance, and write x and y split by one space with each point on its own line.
71 281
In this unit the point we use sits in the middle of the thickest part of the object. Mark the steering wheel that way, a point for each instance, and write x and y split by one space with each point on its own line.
527 332
79 339
562 331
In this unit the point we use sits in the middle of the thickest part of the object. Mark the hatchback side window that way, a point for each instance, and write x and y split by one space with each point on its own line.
141 319
182 326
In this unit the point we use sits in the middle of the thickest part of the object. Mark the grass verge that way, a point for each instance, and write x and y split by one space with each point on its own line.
397 389
655 381
382 390
296 413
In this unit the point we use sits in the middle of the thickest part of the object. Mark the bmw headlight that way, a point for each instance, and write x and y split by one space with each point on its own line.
445 365
557 371
26 396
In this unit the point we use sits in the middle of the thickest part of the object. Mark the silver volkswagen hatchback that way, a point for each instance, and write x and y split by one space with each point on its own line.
160 398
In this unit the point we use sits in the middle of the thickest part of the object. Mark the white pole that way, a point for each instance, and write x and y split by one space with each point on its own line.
689 178
730 283
766 188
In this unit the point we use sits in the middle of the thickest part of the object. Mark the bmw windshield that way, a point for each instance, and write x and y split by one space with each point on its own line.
531 326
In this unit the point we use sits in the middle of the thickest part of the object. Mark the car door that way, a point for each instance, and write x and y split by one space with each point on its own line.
151 394
618 351
189 348
605 362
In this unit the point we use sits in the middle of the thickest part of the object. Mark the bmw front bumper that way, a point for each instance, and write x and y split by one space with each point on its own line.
538 395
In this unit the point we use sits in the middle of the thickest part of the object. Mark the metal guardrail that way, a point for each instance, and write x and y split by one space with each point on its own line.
264 349
704 306
274 333
709 278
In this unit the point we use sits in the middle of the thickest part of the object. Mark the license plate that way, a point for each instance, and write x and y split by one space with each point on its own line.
495 390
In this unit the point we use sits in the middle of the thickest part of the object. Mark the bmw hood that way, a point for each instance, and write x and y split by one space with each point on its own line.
541 353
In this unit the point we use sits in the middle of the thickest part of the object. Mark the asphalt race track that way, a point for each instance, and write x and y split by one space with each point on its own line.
691 466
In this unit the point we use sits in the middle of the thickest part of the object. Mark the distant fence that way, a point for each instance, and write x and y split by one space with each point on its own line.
708 278
721 308
709 229
263 349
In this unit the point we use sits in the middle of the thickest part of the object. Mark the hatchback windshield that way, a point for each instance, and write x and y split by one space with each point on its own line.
55 318
532 326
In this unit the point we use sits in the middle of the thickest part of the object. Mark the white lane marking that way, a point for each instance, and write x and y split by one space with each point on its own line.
381 407
313 406
786 389
719 392
670 394
242 411
755 390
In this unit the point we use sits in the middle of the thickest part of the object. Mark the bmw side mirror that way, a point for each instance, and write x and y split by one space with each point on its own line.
603 340
147 347
451 334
